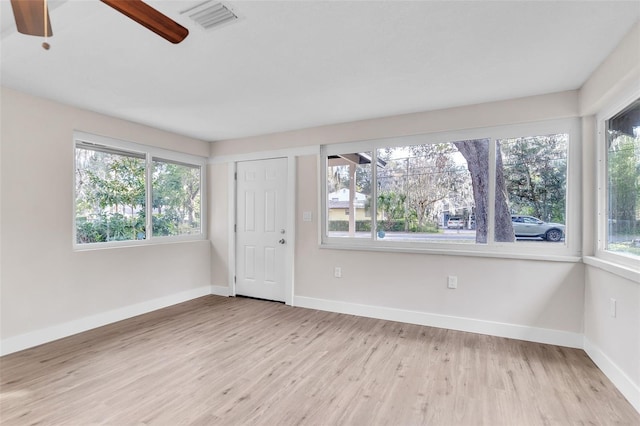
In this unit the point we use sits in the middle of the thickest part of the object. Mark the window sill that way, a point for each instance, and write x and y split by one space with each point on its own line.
454 252
157 241
615 268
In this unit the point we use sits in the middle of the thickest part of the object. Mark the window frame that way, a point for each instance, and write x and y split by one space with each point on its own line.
615 260
569 250
86 140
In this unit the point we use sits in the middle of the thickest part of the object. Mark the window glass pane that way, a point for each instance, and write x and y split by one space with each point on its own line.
349 195
426 192
623 181
110 196
176 198
531 179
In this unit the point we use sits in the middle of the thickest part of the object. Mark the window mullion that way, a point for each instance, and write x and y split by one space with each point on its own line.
491 202
149 197
324 191
602 207
374 193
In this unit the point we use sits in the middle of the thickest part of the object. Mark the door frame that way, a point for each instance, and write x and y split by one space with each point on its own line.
290 224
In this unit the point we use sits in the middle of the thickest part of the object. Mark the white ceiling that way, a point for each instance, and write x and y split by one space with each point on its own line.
293 64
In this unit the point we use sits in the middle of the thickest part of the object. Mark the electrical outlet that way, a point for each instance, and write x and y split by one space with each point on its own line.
452 281
337 272
612 307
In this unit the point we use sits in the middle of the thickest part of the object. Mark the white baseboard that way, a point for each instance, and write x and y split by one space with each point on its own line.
221 290
619 378
512 331
49 334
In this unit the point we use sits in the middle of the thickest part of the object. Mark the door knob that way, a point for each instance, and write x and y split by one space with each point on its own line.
281 241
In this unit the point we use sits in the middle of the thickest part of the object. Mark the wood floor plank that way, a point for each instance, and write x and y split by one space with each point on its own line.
235 361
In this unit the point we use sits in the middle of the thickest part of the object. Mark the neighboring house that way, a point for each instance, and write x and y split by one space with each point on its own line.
338 203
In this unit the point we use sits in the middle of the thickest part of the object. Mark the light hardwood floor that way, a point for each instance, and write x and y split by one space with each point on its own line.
236 361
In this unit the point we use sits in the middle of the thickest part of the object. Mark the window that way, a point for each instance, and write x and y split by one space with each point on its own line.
349 194
531 176
622 141
110 195
124 194
176 198
485 191
425 190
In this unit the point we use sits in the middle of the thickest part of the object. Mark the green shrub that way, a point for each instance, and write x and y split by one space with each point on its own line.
343 226
387 226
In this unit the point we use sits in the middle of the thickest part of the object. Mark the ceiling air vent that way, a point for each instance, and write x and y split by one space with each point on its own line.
209 14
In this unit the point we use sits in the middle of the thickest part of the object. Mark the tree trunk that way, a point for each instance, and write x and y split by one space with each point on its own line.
504 227
476 152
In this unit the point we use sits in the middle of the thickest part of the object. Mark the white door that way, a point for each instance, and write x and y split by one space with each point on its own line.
261 235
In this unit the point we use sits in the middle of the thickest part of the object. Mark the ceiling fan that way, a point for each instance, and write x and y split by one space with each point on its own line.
32 18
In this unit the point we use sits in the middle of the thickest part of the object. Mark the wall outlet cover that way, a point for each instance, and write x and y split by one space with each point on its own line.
452 281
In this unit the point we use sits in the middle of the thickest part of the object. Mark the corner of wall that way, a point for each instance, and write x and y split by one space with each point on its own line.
618 377
619 70
44 335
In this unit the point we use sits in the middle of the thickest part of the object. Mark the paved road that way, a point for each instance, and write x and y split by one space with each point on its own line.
456 235
447 234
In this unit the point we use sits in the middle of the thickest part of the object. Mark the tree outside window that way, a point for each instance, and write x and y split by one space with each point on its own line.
623 182
110 196
112 193
176 198
421 189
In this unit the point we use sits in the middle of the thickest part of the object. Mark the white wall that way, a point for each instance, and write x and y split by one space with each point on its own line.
620 69
48 290
219 227
612 342
536 300
523 110
534 294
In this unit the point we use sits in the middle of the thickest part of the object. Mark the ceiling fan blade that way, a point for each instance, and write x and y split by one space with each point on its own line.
149 17
29 15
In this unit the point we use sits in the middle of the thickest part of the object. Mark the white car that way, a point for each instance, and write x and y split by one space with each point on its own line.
529 226
455 223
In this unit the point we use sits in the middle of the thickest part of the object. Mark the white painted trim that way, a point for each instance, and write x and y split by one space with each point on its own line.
321 179
507 131
613 267
289 263
265 155
154 241
168 154
232 228
619 378
55 332
574 189
221 290
512 331
466 250
630 93
204 200
570 250
72 217
620 101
